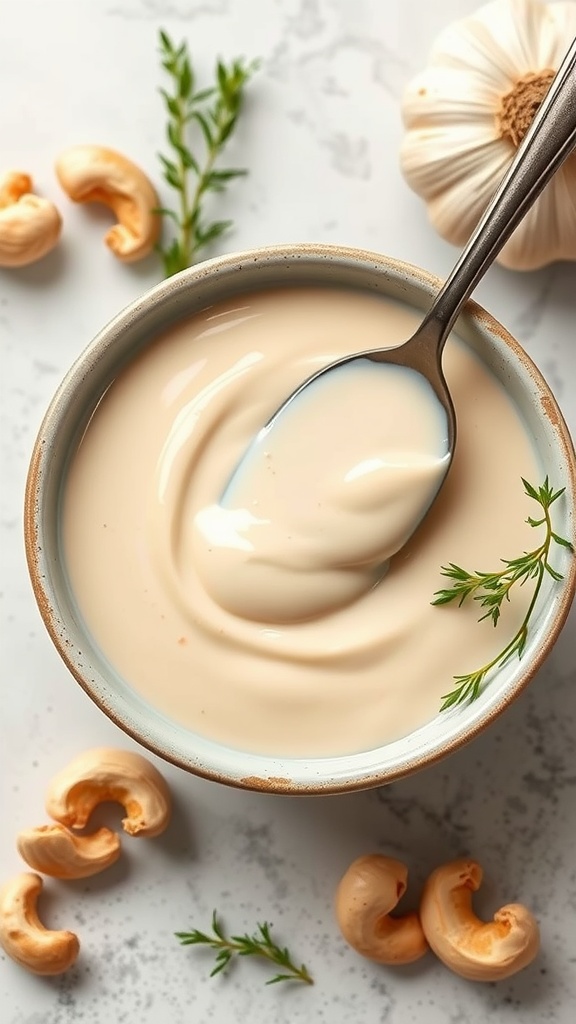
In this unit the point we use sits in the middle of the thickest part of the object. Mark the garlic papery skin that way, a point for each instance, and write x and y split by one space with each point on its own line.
467 112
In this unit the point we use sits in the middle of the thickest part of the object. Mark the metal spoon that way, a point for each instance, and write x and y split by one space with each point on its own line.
548 142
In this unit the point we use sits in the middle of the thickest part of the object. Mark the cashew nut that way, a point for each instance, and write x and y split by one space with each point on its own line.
95 174
29 226
370 889
470 947
23 936
55 851
105 774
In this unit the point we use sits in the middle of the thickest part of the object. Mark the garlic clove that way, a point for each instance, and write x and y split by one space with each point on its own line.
444 96
545 236
499 38
459 164
467 112
469 195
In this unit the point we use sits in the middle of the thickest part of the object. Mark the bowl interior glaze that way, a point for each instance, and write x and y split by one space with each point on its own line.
70 411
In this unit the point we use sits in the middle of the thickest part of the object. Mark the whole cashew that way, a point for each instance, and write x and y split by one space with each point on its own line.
105 774
29 226
23 936
95 174
370 889
470 947
55 851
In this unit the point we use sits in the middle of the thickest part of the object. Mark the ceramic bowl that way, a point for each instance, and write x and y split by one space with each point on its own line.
183 295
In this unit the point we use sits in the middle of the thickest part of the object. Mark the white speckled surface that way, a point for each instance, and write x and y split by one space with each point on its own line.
321 137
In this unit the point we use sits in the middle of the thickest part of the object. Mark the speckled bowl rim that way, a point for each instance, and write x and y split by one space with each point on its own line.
166 303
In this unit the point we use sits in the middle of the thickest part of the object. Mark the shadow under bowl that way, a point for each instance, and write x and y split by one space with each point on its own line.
182 296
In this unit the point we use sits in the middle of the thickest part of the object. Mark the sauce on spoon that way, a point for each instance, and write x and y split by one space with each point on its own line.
320 503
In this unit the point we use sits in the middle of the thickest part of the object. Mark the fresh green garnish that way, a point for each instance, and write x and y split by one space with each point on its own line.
214 113
260 944
490 589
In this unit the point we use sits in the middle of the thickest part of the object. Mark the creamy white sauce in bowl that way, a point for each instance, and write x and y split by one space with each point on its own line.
321 677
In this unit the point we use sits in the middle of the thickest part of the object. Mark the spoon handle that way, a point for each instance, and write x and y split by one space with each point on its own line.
547 143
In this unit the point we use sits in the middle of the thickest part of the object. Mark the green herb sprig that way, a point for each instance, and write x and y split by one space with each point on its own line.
214 112
491 589
260 944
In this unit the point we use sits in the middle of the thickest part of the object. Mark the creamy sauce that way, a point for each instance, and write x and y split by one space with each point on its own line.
159 451
325 496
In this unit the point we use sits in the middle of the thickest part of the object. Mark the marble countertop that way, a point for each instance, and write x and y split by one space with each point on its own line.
321 136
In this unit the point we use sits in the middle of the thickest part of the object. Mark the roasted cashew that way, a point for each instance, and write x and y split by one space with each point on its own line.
470 947
370 889
105 774
29 226
55 851
95 174
23 936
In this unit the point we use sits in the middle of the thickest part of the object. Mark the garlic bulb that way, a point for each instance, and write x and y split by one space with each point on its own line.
467 112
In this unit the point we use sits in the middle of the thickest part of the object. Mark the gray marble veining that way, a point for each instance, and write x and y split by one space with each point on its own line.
321 137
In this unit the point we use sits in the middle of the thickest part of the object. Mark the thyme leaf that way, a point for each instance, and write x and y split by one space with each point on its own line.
491 589
260 944
191 174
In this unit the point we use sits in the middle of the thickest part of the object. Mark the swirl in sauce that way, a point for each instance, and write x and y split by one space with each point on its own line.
160 448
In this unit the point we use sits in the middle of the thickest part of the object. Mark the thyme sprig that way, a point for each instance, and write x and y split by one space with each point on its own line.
259 944
214 112
491 589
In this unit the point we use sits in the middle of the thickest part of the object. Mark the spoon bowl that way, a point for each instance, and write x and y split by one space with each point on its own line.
548 142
